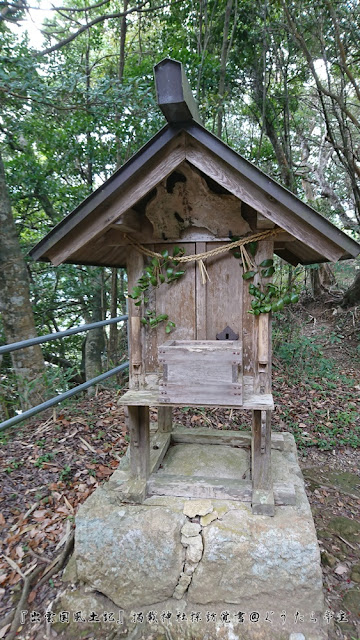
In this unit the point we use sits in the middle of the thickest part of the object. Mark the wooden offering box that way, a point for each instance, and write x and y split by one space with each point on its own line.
201 372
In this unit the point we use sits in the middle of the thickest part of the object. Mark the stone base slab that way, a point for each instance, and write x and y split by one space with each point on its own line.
192 569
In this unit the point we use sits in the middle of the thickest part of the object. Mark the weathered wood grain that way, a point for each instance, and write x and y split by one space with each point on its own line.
199 487
184 198
99 221
150 398
139 428
202 372
203 435
159 444
261 451
262 325
239 185
177 300
161 484
263 223
209 394
224 293
135 266
164 419
200 298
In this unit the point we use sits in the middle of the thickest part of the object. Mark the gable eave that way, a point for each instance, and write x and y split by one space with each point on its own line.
99 198
273 189
139 164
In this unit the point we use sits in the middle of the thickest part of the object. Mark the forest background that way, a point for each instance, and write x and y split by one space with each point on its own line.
277 81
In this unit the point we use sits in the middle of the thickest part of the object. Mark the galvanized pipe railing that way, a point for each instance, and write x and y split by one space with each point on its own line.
67 394
14 346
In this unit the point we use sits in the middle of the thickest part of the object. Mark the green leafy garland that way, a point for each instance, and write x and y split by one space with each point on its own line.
159 270
266 297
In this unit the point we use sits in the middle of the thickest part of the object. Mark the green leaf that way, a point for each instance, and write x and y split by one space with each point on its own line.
252 246
249 274
236 254
267 263
267 273
255 304
266 308
153 281
162 277
161 317
294 298
165 253
169 272
138 303
143 320
278 305
287 298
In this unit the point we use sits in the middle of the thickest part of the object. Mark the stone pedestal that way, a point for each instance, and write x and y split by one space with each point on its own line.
177 569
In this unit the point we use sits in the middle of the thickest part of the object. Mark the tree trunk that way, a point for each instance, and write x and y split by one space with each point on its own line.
223 60
352 295
113 330
322 278
15 306
94 344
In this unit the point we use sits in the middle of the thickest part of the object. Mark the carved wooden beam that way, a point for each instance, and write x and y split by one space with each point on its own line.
174 95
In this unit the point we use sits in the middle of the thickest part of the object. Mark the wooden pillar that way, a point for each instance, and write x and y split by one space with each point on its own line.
262 488
135 267
164 419
139 429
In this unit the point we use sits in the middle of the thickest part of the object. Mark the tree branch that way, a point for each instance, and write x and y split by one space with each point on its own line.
106 16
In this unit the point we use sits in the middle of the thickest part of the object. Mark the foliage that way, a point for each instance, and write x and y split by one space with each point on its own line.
334 418
161 270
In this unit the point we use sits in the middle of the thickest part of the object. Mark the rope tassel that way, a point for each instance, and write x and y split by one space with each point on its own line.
203 271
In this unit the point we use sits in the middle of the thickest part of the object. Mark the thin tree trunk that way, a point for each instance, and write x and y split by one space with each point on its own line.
15 306
223 61
113 331
94 344
322 278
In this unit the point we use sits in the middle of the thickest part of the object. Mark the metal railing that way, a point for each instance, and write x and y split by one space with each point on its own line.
67 394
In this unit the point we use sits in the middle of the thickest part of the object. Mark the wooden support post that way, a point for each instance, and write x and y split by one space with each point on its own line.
164 419
135 266
139 428
262 488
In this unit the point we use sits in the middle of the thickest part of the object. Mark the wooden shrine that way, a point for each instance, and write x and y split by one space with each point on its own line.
186 190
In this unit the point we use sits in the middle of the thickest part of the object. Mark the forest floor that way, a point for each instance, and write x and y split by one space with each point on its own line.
51 465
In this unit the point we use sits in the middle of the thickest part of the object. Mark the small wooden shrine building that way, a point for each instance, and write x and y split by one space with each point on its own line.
187 191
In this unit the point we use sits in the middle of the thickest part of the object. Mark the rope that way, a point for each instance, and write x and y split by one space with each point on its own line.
199 257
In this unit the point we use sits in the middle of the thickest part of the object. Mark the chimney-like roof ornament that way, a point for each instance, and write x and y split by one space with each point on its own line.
174 95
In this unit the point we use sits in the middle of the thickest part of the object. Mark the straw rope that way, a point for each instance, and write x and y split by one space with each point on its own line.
206 254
